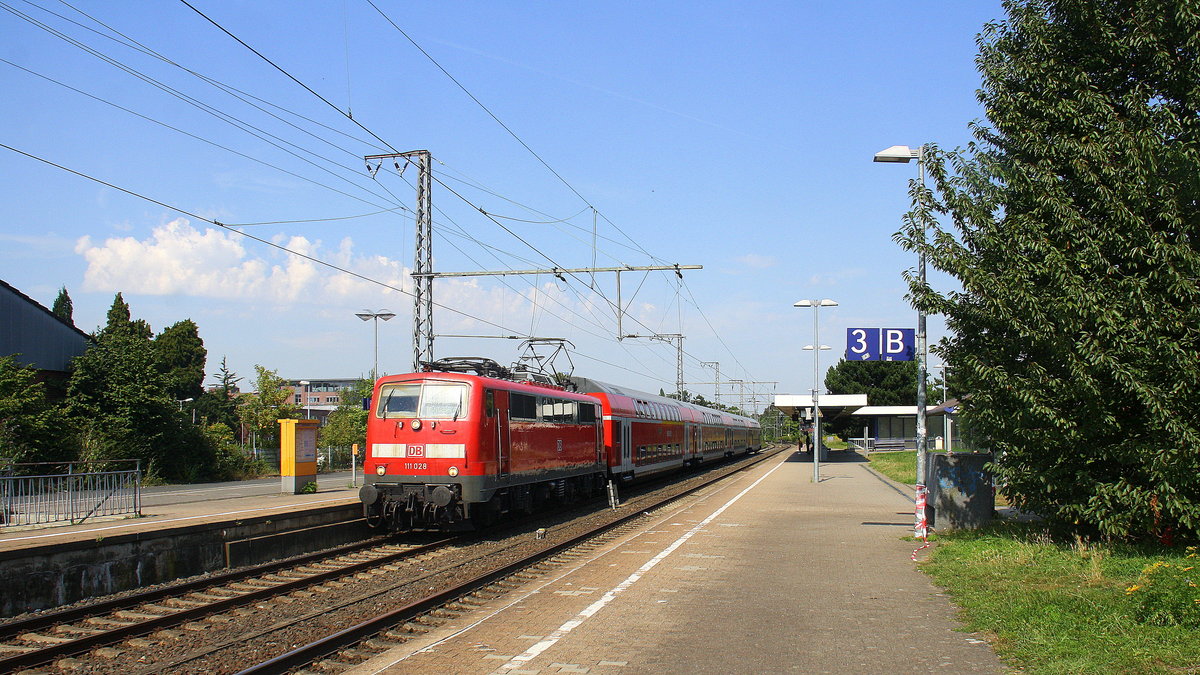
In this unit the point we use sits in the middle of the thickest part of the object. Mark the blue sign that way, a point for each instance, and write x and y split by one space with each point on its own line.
880 344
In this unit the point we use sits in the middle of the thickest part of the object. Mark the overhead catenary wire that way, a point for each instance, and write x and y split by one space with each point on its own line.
494 217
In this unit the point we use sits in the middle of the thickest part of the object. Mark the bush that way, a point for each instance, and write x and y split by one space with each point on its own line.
1168 594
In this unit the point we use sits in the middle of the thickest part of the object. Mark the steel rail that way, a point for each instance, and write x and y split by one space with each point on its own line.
357 633
45 654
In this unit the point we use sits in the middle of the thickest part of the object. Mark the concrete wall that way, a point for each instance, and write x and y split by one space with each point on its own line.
52 576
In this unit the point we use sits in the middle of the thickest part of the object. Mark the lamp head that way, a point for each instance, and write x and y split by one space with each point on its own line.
898 153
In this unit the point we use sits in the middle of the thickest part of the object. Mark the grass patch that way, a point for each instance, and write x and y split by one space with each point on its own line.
1060 608
900 466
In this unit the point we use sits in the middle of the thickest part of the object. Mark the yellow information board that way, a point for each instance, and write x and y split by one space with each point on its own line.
297 454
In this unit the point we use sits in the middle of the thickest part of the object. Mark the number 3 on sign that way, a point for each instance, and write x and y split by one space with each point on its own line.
862 344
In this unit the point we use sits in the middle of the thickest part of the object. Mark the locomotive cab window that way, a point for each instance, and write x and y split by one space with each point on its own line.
430 400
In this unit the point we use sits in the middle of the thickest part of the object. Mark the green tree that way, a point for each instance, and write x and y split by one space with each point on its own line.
121 407
270 402
120 320
220 406
31 427
118 403
181 355
1073 231
347 424
63 307
884 382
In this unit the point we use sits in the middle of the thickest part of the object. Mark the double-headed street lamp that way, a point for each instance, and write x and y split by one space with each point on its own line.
368 315
904 154
816 346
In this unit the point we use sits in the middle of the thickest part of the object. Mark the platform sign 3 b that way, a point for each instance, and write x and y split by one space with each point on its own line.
880 344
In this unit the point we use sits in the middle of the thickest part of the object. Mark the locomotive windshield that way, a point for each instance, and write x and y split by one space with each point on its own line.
428 400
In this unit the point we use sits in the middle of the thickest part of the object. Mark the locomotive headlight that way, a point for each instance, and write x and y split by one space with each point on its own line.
380 470
453 471
416 425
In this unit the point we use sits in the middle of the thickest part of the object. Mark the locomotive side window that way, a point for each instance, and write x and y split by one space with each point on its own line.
490 403
522 406
587 413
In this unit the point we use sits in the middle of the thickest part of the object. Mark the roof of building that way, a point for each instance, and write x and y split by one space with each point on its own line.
39 338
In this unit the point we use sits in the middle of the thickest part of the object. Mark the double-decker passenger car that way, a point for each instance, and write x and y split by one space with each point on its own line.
455 450
646 434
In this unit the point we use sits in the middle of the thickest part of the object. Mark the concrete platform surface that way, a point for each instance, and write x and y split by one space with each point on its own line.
769 573
189 505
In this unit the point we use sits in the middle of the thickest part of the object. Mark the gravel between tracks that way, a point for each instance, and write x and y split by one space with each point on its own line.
229 642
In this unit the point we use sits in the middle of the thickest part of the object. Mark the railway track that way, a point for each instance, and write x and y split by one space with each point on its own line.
45 638
348 647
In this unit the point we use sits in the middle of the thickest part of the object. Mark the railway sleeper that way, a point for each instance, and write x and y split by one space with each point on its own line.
135 615
80 631
40 639
107 622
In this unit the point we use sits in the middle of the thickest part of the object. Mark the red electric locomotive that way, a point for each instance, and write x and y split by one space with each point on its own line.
455 450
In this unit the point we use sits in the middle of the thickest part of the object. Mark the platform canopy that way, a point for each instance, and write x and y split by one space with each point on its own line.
832 405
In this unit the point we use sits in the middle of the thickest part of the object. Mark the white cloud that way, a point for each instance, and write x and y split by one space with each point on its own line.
178 259
758 262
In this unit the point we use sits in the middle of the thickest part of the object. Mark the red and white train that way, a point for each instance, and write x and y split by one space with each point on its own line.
455 450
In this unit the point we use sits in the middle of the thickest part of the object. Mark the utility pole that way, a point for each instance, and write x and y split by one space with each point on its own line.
716 366
423 274
423 251
677 340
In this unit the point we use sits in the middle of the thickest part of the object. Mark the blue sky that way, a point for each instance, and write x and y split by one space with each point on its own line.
737 136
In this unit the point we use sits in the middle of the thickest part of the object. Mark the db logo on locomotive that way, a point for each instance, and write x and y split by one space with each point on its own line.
416 451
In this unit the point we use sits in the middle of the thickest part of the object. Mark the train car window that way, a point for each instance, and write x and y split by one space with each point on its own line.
445 401
555 410
489 403
522 406
587 413
398 400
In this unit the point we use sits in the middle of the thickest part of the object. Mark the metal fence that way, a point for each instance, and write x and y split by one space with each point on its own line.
71 492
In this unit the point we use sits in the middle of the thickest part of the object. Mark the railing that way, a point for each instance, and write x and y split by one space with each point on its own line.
34 494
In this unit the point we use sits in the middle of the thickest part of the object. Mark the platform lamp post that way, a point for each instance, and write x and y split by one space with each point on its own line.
368 315
304 392
816 347
904 154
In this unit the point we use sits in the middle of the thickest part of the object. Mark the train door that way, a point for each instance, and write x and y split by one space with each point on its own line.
626 445
497 407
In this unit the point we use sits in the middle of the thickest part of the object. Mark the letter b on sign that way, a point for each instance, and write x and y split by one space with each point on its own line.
897 344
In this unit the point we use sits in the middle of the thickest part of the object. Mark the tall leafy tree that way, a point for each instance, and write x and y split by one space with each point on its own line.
31 427
120 320
1075 227
884 382
63 308
181 355
121 407
220 406
347 424
270 402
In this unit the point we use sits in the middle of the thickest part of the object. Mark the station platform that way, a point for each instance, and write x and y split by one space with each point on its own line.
768 573
194 512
